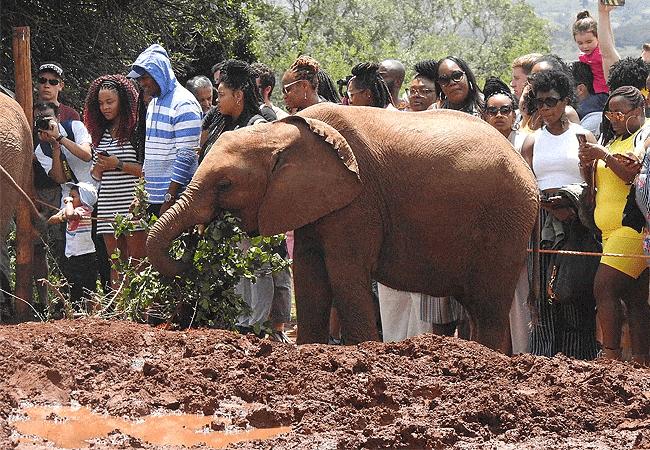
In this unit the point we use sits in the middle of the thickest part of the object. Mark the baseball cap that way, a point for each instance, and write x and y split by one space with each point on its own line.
136 72
51 66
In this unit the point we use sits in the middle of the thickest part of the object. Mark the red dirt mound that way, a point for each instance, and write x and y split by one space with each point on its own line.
427 392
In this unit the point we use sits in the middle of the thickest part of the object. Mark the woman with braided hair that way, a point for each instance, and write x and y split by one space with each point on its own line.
367 87
422 92
114 115
300 84
620 278
327 87
238 100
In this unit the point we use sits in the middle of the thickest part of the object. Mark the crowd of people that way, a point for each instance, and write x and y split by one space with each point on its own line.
581 127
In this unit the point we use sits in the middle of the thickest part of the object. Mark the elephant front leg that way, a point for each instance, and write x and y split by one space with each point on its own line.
312 289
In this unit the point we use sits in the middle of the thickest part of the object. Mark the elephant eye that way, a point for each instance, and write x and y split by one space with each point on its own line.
223 185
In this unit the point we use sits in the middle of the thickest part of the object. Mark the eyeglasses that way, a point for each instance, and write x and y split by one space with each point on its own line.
284 88
616 115
349 92
456 76
52 81
493 110
550 102
412 92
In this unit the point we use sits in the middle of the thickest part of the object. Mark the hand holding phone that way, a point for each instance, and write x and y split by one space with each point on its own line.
624 158
612 2
103 153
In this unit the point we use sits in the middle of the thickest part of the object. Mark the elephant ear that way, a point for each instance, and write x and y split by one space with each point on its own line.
315 174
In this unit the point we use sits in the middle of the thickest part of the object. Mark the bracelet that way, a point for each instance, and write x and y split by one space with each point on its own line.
60 138
606 157
120 164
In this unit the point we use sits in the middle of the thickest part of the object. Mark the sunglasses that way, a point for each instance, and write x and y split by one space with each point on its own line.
550 102
493 110
456 76
412 92
284 88
52 81
616 115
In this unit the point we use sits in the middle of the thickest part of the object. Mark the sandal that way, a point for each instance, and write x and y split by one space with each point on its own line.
279 336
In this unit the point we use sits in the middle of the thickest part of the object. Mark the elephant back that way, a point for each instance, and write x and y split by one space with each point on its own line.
446 177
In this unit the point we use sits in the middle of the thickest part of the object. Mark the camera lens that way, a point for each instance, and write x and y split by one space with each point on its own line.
42 123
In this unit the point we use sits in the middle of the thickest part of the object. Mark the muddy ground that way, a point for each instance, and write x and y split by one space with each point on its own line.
427 392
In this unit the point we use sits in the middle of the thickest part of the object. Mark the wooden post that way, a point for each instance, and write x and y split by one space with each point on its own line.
24 231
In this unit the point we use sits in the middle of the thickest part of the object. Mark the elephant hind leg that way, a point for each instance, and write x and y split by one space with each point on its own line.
490 323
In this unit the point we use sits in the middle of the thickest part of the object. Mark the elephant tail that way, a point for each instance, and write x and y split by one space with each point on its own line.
7 179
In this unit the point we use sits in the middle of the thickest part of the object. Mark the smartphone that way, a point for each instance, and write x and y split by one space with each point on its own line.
582 139
623 158
103 153
613 2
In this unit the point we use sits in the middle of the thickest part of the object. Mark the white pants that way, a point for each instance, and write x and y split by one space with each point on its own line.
400 314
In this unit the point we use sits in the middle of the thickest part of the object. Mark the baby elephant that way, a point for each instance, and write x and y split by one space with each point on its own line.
435 202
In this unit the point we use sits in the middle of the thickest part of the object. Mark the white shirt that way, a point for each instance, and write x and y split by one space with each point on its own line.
79 167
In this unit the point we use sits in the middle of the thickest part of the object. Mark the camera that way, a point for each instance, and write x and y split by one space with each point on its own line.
43 122
343 82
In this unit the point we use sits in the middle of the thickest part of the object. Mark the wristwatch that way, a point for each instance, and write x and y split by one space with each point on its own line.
59 138
120 164
169 198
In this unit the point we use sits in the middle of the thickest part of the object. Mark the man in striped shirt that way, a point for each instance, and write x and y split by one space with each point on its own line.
173 129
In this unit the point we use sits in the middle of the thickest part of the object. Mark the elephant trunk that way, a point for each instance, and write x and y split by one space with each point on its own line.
181 216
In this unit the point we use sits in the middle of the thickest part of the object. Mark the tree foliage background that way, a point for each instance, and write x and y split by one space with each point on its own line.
91 38
488 34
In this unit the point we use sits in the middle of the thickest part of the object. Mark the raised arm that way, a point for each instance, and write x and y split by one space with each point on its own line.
606 38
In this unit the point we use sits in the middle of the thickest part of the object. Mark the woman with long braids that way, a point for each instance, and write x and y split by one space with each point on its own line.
367 87
619 278
327 87
238 100
552 153
114 115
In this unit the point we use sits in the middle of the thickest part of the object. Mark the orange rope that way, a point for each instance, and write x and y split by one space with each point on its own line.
571 252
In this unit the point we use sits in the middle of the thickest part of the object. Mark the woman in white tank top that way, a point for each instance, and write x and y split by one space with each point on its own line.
552 153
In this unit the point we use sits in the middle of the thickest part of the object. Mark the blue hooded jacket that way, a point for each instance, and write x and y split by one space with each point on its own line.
173 127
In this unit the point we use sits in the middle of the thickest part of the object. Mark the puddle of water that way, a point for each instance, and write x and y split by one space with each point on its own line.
72 427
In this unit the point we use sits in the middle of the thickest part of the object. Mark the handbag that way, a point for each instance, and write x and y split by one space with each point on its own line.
571 277
632 215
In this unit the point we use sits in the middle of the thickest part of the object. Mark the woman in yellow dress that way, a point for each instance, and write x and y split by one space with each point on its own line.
619 278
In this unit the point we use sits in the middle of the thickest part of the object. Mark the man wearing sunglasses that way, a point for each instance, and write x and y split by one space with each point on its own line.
50 83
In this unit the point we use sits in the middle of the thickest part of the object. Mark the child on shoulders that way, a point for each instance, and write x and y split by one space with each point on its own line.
585 33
